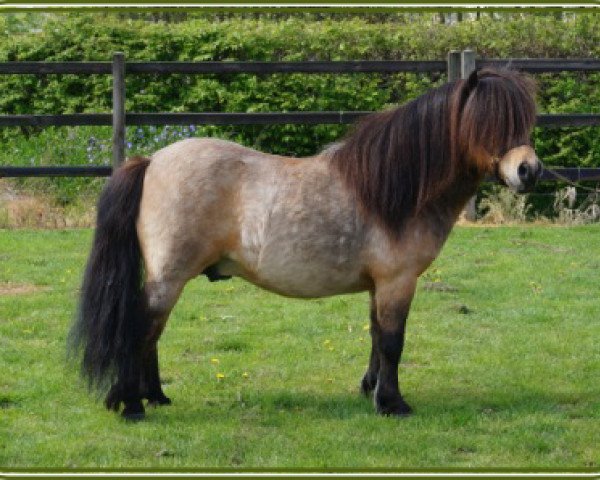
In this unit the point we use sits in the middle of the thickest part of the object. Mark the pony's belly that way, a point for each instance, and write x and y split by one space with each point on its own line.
299 280
309 283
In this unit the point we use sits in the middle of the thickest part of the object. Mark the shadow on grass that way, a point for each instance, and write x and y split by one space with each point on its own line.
447 405
456 403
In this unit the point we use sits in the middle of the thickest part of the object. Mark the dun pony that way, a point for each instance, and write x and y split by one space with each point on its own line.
368 214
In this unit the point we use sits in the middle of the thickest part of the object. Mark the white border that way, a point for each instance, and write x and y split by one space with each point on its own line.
307 474
595 3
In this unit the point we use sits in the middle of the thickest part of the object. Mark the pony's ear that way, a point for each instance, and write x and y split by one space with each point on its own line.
472 80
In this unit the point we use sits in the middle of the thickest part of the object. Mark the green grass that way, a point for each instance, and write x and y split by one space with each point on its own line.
511 383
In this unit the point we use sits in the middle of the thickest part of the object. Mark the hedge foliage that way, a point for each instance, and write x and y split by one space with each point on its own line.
79 37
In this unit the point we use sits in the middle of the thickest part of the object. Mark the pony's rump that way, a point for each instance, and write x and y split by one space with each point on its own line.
109 325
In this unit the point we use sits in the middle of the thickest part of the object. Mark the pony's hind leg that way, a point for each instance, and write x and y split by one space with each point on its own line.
126 390
151 387
142 379
369 380
161 297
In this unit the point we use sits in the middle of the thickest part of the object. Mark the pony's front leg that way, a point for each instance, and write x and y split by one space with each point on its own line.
369 380
392 299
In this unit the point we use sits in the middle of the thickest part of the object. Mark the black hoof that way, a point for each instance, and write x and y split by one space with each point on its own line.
402 412
368 384
113 399
133 411
133 417
159 400
396 407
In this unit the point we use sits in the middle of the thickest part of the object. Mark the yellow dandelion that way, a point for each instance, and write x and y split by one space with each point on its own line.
214 361
537 288
245 375
220 376
366 327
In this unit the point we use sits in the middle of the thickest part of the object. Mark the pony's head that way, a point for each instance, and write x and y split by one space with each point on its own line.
496 110
437 147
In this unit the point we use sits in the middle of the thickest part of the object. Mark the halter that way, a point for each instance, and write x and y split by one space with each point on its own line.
496 169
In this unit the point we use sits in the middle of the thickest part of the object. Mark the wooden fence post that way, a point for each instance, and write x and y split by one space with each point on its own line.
468 63
118 111
466 68
453 62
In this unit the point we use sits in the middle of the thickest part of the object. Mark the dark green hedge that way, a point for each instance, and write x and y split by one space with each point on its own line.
78 37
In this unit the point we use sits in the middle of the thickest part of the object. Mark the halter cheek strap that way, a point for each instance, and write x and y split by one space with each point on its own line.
496 167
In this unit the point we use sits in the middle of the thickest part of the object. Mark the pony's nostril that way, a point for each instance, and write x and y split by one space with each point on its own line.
523 171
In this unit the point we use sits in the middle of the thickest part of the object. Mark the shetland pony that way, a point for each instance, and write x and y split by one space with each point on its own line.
368 214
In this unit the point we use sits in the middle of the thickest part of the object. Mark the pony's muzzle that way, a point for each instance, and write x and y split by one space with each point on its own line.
529 174
519 168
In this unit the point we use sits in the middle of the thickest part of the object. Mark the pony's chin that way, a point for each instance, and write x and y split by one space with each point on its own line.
525 189
517 187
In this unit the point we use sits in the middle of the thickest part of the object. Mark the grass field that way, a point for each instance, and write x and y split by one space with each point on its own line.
501 365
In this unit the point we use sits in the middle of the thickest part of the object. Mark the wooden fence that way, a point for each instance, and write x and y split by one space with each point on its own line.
458 64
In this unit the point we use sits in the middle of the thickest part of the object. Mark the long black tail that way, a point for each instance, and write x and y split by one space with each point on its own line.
110 323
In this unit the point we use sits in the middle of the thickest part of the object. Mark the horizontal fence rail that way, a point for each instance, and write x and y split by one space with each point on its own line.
362 66
255 118
532 65
543 65
71 171
118 68
572 173
367 66
568 120
49 68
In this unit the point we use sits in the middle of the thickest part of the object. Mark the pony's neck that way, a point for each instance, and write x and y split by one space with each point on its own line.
462 189
443 212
